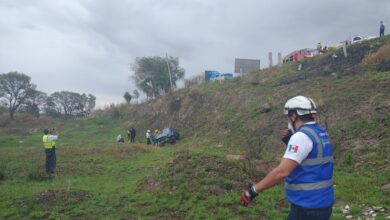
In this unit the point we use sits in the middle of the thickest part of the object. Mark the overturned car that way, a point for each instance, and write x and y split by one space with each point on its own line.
167 135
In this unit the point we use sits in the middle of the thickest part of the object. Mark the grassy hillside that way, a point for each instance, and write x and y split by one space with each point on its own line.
196 178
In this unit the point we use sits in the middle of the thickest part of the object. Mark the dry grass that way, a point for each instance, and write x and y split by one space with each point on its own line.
382 54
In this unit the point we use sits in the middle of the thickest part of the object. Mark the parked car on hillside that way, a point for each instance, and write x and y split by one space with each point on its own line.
167 135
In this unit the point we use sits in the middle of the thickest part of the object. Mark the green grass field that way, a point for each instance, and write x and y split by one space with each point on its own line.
136 181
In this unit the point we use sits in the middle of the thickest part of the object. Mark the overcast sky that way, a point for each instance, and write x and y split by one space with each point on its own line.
86 46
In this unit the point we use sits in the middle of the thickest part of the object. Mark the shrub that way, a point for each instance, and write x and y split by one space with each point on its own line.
2 176
384 65
227 184
379 56
348 158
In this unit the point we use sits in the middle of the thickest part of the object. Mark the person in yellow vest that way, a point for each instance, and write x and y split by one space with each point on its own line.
319 48
49 142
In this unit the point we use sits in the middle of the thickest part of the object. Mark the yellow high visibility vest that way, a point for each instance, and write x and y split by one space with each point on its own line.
47 143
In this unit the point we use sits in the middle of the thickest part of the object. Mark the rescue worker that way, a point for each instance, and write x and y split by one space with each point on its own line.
49 142
156 132
133 133
148 137
319 48
120 139
306 167
381 29
128 135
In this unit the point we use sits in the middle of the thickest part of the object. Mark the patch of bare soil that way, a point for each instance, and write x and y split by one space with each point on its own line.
52 197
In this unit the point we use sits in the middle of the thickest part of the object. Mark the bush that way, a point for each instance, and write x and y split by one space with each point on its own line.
227 184
2 176
348 158
384 65
379 56
327 70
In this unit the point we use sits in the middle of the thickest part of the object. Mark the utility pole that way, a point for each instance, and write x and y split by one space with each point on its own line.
270 59
169 72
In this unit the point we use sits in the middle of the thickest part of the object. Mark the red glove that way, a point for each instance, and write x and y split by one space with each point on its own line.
286 135
248 195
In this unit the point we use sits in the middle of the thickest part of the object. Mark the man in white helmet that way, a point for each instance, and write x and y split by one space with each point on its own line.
306 167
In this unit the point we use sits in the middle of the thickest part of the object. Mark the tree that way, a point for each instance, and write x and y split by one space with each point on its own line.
136 94
151 74
127 97
14 90
90 103
70 104
66 102
34 102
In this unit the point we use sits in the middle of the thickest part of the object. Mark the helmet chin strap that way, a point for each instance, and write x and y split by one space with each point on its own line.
291 125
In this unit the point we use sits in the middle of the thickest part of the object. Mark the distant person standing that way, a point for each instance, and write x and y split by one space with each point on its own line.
319 47
49 142
381 29
148 137
133 133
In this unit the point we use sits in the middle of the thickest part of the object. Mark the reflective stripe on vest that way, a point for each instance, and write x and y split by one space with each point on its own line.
309 186
46 142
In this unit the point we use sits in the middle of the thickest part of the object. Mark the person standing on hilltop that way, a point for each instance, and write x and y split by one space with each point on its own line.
49 142
306 167
381 29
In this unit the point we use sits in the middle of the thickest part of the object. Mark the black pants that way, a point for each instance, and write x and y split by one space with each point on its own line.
51 160
300 213
132 139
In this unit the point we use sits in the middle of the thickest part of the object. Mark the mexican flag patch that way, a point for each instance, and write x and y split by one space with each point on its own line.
293 148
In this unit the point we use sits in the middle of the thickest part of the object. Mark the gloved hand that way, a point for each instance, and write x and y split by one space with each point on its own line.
286 135
248 195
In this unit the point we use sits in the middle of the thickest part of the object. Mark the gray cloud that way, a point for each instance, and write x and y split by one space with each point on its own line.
87 46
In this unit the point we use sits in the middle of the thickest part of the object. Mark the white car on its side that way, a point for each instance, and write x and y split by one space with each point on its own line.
357 39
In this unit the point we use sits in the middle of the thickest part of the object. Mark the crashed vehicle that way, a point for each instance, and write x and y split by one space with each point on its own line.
167 135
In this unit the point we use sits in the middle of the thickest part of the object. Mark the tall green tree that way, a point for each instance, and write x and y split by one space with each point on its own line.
151 74
15 88
127 97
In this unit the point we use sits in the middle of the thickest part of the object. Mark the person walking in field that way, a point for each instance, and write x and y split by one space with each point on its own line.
306 167
49 142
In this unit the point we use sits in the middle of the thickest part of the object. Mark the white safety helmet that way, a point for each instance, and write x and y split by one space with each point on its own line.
148 131
301 104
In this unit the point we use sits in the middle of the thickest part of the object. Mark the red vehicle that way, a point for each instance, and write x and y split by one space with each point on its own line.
300 54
